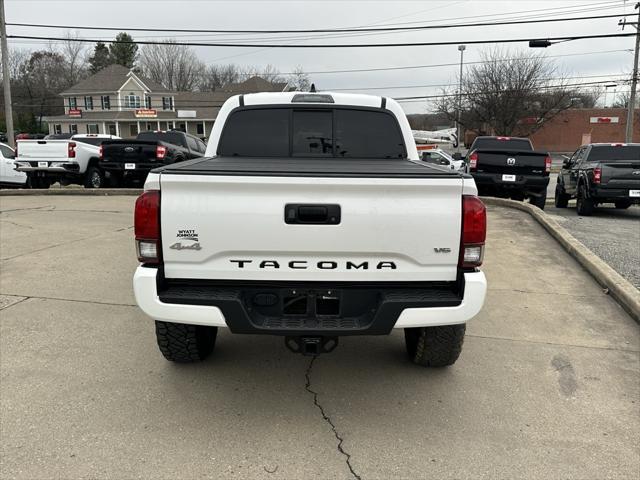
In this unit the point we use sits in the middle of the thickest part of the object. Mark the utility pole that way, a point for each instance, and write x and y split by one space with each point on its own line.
634 81
461 48
8 110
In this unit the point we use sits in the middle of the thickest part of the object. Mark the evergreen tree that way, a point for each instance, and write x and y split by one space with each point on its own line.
124 53
100 59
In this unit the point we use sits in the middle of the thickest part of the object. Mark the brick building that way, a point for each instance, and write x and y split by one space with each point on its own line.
577 126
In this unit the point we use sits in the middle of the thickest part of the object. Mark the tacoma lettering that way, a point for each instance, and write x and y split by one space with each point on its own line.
321 265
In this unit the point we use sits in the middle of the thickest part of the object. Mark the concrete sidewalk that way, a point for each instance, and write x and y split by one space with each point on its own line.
546 387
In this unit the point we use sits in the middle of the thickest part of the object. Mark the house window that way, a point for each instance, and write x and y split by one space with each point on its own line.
200 129
88 103
133 130
57 128
147 102
73 128
92 128
105 100
167 103
111 128
72 102
132 101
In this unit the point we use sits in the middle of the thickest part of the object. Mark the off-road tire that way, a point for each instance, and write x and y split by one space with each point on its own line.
561 197
434 346
93 178
184 343
584 204
539 201
622 204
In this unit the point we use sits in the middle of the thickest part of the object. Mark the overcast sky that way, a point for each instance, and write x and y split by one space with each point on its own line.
300 14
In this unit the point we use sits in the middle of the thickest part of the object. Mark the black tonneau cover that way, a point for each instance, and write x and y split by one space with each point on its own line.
307 167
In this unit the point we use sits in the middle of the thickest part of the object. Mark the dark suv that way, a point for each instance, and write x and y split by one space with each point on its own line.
600 173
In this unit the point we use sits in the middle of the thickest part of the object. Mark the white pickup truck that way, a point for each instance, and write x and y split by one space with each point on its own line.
66 161
310 217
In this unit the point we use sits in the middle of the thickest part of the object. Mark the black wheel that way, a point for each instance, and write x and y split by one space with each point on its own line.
94 178
434 346
561 197
584 204
622 204
540 200
184 343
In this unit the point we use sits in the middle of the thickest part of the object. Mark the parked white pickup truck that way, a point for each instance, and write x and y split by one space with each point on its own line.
66 161
311 217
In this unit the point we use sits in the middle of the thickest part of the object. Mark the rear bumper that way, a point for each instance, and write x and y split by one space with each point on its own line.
614 194
118 168
522 182
52 167
395 307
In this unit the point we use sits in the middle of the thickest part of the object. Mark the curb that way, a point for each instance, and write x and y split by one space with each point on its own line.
99 192
619 288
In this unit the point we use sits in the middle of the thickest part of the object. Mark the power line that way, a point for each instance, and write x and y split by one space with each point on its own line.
333 45
451 84
322 30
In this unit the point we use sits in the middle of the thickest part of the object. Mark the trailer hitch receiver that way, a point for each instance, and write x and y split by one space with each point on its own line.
311 345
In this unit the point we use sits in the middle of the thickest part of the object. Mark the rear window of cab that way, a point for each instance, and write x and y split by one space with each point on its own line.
312 132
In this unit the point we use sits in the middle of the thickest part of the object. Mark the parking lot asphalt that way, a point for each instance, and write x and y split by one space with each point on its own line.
613 235
546 387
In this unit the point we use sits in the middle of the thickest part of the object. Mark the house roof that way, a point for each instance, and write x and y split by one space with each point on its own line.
255 84
110 79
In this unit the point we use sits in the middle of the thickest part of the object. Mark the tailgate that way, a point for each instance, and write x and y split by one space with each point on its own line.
503 161
43 149
621 174
391 229
129 151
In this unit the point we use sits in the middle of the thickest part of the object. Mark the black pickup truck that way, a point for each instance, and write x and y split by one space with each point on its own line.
131 160
508 167
600 173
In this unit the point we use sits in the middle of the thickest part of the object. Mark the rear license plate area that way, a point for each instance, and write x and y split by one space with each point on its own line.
634 193
508 178
311 303
129 166
43 164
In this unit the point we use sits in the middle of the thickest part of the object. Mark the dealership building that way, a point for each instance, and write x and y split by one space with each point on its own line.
118 101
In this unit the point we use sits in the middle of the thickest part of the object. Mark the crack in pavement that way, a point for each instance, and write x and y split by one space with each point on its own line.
28 208
328 419
60 299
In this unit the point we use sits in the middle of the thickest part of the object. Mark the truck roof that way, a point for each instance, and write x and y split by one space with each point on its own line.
279 98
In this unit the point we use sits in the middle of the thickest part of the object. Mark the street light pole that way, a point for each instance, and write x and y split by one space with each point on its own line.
634 81
461 49
8 110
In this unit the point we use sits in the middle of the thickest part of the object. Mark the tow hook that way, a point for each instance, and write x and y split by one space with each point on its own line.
311 345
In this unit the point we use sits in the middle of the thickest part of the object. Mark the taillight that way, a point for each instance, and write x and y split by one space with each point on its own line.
474 232
161 151
597 175
71 150
473 161
100 152
147 227
547 164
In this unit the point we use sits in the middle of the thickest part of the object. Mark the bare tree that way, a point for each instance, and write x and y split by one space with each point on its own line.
622 100
507 94
298 80
215 77
176 67
75 56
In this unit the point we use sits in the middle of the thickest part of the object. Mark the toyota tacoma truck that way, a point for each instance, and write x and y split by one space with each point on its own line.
310 217
600 173
132 160
508 167
69 161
